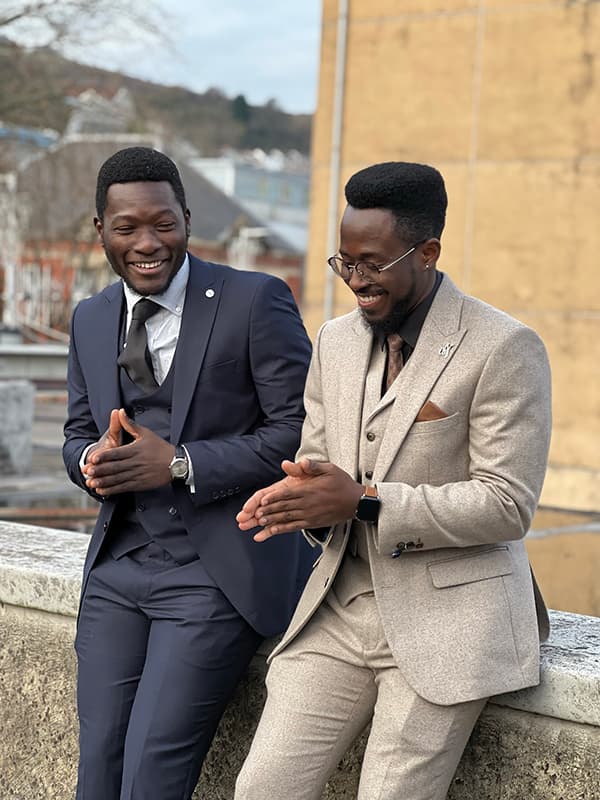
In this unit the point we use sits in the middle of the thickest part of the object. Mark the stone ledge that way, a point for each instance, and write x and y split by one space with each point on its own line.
541 743
41 568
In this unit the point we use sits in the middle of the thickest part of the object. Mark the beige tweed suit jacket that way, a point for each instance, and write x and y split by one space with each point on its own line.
459 605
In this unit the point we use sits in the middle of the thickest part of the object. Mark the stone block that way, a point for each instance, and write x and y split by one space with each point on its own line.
16 426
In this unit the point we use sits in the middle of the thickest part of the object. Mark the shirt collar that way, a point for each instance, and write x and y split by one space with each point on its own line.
411 327
172 298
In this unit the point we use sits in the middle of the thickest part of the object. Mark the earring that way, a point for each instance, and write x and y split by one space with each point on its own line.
427 266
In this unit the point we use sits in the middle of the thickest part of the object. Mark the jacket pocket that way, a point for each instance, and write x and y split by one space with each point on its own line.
470 568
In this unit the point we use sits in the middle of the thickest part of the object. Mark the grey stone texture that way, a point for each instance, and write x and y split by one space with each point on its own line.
539 744
16 425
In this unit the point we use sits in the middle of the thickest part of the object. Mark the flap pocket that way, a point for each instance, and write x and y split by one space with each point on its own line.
468 569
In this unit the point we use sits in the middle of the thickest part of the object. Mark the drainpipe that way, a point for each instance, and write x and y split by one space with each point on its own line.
336 149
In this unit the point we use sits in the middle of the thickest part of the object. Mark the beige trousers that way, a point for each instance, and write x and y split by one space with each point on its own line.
333 680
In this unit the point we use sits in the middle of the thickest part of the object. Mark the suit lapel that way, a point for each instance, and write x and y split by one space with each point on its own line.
356 354
202 299
439 340
106 350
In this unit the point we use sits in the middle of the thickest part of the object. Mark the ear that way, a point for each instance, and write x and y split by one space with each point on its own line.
430 252
188 220
99 228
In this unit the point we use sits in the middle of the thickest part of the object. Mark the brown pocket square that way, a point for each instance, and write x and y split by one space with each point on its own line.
430 412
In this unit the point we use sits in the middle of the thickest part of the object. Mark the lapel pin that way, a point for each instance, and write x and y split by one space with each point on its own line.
210 292
445 349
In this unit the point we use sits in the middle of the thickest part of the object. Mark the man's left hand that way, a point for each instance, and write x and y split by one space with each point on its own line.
314 494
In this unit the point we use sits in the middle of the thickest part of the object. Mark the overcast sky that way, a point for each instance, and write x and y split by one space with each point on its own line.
262 49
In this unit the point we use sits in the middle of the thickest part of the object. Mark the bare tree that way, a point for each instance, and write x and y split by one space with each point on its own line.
61 23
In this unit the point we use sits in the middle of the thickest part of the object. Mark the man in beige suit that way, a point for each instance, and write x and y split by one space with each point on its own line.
422 459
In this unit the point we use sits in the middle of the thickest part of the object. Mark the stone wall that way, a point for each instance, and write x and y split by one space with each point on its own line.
540 744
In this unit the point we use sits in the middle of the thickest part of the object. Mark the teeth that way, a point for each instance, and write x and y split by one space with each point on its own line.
147 264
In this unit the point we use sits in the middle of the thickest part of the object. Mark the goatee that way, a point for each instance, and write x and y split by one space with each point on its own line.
392 323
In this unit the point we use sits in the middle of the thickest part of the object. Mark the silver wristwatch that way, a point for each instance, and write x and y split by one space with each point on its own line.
179 466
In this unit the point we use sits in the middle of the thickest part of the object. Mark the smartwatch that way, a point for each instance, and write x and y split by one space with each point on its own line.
367 509
179 466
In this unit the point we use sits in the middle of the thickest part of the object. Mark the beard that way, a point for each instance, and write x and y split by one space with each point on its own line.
382 328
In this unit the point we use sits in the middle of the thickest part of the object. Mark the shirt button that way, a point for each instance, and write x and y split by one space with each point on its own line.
173 511
141 507
368 474
371 436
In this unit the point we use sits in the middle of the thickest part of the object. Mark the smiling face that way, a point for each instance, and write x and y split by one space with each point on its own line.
144 233
369 234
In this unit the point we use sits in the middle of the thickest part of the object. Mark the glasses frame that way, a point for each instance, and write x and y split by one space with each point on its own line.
333 262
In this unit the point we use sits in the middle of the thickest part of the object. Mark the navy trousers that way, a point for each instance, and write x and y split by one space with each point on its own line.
160 651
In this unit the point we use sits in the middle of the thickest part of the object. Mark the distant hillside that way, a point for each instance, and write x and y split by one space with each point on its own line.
34 87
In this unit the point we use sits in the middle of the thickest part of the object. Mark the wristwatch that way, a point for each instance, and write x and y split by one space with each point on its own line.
179 466
367 509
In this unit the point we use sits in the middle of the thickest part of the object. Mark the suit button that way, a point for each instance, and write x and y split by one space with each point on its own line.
215 495
105 526
173 511
141 507
409 546
368 474
229 492
237 489
371 436
419 545
138 409
400 548
222 493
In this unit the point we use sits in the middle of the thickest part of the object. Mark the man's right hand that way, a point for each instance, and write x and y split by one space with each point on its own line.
112 437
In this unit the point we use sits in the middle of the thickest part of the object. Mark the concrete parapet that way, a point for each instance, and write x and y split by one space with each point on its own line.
16 425
541 743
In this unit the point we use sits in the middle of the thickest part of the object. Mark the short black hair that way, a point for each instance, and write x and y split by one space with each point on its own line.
137 164
414 193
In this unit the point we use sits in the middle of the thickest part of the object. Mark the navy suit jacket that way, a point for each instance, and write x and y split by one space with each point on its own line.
240 367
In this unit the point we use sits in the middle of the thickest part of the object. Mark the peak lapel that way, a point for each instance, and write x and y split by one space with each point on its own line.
439 340
354 355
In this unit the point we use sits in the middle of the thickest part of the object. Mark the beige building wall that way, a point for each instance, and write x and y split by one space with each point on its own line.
503 97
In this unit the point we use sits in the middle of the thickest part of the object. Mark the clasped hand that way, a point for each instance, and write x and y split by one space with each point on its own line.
314 494
113 467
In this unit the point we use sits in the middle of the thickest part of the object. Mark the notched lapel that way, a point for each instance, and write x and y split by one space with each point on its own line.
202 300
105 343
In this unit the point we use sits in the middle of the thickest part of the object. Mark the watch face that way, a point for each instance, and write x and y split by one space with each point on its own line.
367 509
179 468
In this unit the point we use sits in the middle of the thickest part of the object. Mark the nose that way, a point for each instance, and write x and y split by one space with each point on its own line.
147 241
356 281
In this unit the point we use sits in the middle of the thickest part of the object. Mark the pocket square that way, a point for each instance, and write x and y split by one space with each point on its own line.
430 412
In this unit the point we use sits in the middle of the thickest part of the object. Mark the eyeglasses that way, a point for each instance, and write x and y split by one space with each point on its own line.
367 271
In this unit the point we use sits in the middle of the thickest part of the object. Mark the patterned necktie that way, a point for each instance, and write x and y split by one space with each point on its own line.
135 358
395 360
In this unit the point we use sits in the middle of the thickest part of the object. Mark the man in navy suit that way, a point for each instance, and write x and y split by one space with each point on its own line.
179 409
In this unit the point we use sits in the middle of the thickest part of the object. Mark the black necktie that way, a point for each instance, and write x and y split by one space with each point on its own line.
395 360
135 358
